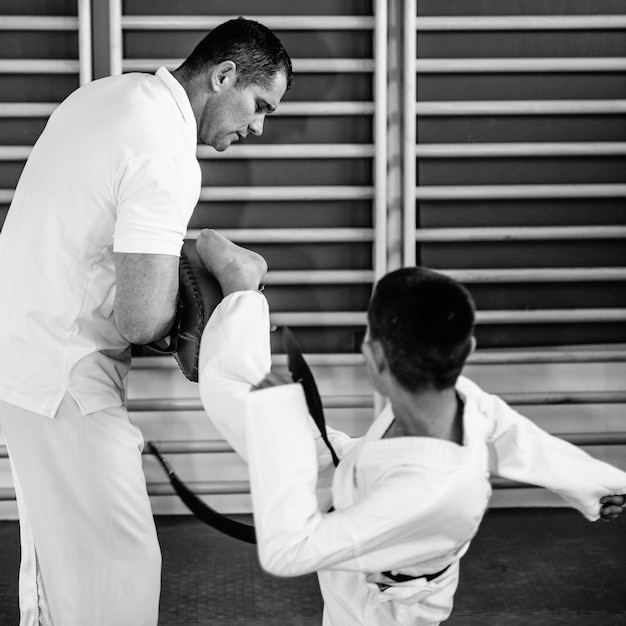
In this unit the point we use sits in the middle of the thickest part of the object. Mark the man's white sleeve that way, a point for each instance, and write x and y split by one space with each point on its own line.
156 196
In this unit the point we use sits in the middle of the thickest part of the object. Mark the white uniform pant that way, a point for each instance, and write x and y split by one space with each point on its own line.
90 553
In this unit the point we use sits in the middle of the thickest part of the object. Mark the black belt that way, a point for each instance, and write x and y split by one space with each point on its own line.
403 578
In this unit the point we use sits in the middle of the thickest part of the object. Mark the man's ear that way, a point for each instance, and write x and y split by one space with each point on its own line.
222 75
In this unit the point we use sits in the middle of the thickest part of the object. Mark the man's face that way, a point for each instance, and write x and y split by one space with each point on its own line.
232 113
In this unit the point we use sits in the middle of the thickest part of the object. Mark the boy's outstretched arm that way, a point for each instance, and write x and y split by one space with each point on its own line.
522 451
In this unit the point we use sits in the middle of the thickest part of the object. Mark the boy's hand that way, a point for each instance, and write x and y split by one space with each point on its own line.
611 507
273 380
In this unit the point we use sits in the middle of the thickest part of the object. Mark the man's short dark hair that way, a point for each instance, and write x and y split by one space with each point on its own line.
424 321
256 51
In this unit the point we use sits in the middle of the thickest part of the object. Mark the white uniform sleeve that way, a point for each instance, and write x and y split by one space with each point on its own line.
156 196
521 451
235 355
294 537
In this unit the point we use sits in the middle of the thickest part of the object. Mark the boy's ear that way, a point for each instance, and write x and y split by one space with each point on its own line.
374 355
473 345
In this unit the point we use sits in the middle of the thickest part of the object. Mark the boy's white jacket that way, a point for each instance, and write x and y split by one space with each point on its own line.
410 504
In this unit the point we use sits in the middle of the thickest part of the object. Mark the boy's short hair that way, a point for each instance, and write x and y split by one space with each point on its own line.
424 321
256 51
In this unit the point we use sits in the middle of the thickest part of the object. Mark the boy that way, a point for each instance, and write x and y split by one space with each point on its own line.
409 496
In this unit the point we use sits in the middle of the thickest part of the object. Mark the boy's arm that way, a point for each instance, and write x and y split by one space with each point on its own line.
523 452
341 443
296 536
235 356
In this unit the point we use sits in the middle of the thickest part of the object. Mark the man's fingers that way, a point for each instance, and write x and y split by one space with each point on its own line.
610 512
619 500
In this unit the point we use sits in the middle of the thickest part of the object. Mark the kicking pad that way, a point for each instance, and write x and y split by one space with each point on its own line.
198 296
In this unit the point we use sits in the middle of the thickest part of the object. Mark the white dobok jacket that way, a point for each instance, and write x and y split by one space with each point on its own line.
406 505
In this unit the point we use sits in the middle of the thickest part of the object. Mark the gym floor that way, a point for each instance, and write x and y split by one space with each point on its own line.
526 567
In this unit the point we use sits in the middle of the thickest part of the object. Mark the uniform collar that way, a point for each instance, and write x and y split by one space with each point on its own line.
182 100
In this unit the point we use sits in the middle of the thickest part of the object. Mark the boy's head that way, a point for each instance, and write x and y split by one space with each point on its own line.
420 324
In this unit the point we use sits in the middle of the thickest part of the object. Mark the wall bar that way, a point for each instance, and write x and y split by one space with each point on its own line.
290 151
274 22
320 277
521 107
203 488
39 66
527 149
379 218
27 109
519 233
207 488
511 192
253 151
325 108
270 193
367 401
552 316
552 398
319 318
84 41
538 275
39 22
116 39
594 439
522 22
480 357
143 405
14 153
532 357
409 133
547 316
279 360
267 194
147 405
219 446
192 446
303 66
513 65
290 235
45 109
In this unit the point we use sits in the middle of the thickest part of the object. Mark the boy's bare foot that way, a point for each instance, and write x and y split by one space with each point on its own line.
236 268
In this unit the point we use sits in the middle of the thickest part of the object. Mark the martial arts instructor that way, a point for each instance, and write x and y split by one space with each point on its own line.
88 265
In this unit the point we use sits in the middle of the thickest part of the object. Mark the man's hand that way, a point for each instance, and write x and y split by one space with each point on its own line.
611 507
273 380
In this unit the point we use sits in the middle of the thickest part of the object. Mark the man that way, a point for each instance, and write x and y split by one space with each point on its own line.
409 496
89 260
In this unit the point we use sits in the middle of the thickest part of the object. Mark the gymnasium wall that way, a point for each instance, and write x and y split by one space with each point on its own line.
484 139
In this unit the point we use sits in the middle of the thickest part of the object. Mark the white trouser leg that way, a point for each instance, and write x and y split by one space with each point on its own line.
34 608
87 516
